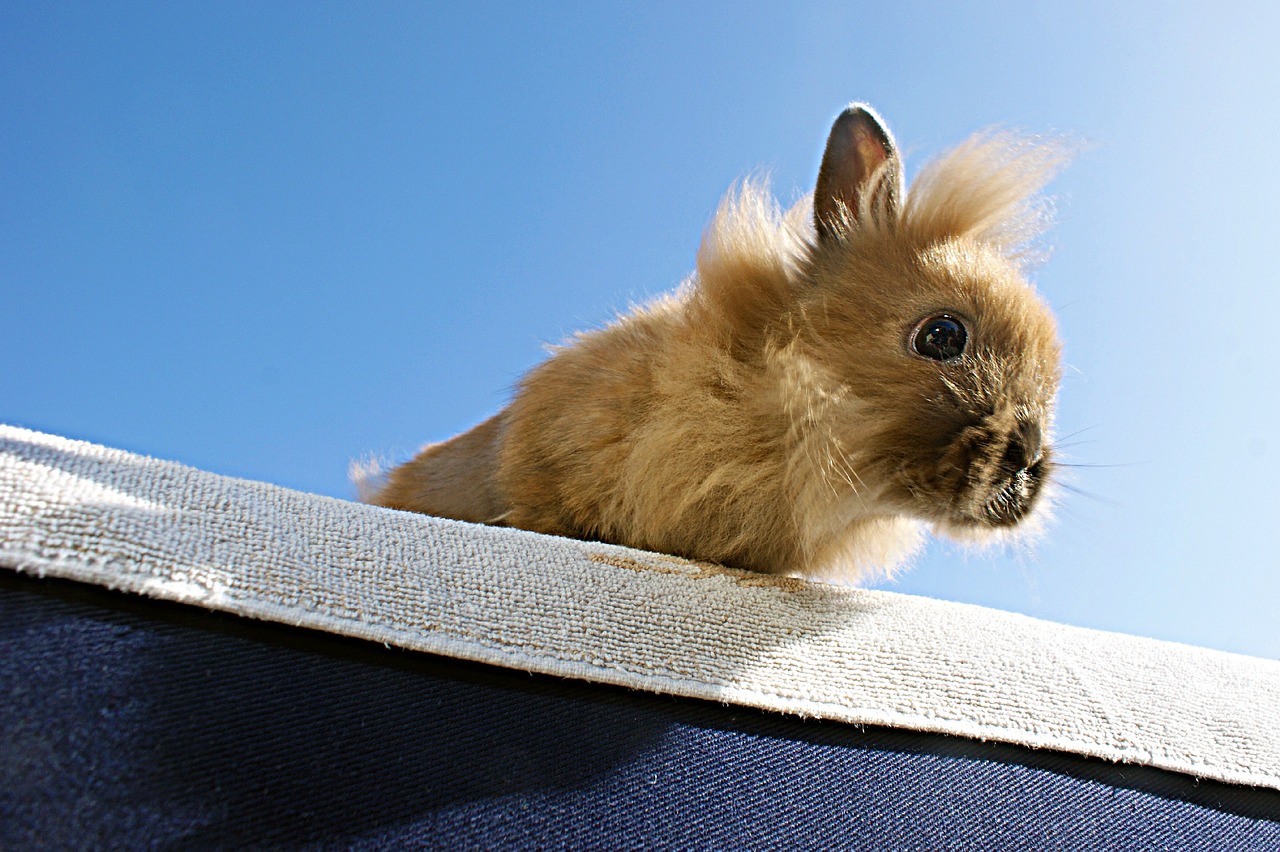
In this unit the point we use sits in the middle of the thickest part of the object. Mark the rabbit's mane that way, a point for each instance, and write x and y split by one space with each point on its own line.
985 189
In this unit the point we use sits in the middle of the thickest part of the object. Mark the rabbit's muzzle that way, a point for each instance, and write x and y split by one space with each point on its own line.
995 472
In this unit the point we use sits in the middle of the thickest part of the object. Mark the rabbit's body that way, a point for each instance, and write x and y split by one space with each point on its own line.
789 409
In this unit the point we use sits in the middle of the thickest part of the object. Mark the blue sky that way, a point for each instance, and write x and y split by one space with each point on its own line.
266 238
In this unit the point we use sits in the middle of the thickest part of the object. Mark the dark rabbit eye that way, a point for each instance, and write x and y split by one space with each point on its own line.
941 338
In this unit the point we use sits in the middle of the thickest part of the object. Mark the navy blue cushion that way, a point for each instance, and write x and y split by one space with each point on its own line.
134 723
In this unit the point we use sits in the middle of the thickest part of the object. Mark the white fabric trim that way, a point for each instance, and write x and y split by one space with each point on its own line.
619 616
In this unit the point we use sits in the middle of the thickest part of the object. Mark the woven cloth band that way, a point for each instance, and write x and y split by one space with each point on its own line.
613 615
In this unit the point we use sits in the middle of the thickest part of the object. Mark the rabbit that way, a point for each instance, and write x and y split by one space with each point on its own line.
827 384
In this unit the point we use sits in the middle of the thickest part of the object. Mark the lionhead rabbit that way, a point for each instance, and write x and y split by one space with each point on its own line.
829 380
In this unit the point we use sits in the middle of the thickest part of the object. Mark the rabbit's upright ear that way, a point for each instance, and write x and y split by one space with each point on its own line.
861 174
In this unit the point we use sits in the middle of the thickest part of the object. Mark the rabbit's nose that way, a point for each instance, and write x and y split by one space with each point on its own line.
1025 446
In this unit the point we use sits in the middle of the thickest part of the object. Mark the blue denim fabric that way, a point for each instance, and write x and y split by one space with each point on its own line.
128 723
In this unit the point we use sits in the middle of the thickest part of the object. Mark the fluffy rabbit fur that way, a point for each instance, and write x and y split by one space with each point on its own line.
795 407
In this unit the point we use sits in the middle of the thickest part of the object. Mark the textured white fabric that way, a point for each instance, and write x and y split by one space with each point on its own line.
620 616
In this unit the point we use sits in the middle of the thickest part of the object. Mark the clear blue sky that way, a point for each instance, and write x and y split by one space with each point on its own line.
266 238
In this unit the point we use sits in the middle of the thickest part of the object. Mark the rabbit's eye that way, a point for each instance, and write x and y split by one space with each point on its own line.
940 337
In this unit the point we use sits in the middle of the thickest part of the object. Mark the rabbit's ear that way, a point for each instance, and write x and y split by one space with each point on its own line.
861 174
